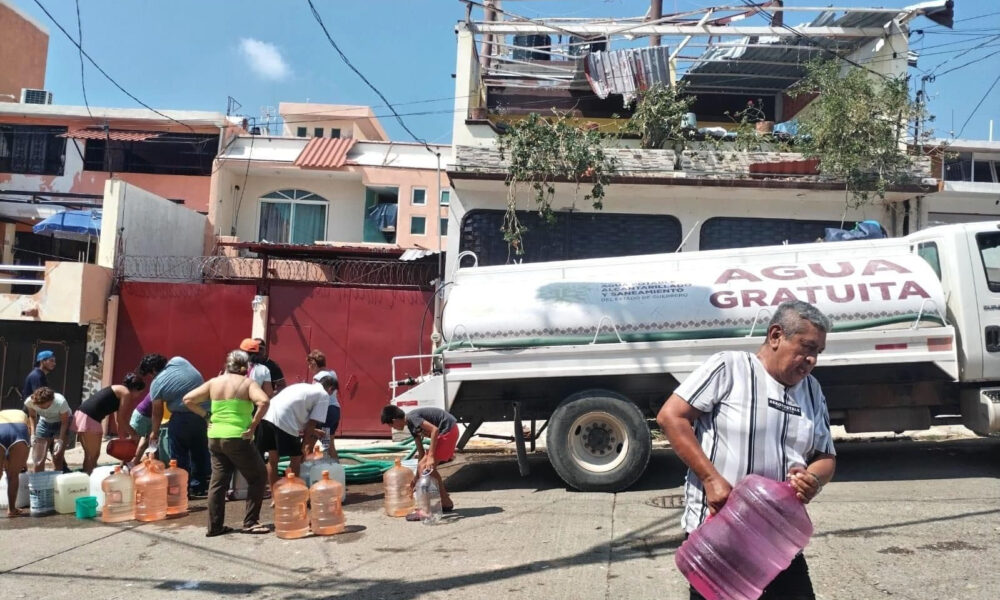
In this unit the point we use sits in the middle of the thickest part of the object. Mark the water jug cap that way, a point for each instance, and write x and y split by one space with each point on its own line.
326 475
118 468
426 472
173 463
398 462
289 474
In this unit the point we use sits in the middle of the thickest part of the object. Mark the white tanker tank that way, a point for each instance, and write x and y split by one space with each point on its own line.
723 293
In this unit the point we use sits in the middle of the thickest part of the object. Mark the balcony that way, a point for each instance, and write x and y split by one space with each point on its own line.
68 292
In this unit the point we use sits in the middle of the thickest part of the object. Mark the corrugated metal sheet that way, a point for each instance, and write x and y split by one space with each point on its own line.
118 135
325 153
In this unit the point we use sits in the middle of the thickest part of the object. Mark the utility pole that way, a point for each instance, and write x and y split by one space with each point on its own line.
655 13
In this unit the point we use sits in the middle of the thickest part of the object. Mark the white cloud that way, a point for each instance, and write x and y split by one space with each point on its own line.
264 59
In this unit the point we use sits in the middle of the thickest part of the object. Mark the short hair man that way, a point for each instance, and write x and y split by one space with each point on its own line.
277 375
440 427
741 413
45 363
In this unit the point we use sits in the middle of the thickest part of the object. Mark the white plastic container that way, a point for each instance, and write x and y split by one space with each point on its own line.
96 477
23 498
69 487
315 472
41 488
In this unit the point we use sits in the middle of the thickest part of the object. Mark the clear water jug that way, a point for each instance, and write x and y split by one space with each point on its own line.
147 462
738 552
427 497
23 498
69 487
119 497
291 516
327 510
41 493
151 493
97 476
177 489
397 491
325 463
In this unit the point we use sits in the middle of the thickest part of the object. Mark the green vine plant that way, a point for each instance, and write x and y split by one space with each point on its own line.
856 126
659 113
543 151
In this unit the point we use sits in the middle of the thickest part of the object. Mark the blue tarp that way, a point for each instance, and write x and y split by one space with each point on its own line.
865 230
72 224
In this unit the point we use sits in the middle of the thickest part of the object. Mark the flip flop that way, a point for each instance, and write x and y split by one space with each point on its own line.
413 516
225 529
448 509
257 529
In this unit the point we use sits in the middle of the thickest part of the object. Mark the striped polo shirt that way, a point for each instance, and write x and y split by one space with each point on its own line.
751 423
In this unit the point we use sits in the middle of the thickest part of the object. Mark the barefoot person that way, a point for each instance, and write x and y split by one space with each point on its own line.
13 453
112 400
442 430
231 428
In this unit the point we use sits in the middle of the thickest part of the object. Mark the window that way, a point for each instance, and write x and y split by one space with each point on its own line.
32 150
168 154
929 252
989 250
334 132
982 171
300 132
737 232
445 197
318 132
418 225
418 196
292 217
444 227
381 204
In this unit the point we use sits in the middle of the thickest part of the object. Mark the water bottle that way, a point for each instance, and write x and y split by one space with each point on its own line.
428 499
397 491
119 497
151 493
291 517
738 552
177 490
327 510
69 487
314 473
147 462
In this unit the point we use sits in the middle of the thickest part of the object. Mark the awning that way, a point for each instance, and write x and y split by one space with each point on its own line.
118 135
325 153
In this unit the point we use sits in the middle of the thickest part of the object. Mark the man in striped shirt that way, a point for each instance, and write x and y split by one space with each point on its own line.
742 413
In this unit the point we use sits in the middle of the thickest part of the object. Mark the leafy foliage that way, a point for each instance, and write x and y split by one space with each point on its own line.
856 127
659 115
542 151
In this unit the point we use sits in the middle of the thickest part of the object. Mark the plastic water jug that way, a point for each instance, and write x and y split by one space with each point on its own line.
306 467
86 507
69 487
151 494
41 491
397 491
119 497
177 489
147 462
23 498
738 552
325 463
327 508
427 497
291 517
97 476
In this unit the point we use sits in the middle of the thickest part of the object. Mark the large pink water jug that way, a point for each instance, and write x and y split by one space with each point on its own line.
738 552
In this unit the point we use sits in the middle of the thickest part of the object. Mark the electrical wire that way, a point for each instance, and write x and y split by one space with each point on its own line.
978 104
83 80
102 71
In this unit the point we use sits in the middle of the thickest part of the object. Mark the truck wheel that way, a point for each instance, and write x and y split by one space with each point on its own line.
598 441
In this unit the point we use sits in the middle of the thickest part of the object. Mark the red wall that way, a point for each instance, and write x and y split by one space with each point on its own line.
359 330
201 322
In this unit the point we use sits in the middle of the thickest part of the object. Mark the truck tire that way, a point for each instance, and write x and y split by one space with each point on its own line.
598 441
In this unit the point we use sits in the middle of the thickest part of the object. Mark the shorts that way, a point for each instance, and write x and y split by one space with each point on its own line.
49 430
140 423
446 442
332 419
270 437
12 433
84 423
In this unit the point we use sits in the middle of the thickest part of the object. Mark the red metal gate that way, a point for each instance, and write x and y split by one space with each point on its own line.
359 330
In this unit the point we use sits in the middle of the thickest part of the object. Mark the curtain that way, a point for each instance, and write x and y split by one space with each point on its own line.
309 225
275 218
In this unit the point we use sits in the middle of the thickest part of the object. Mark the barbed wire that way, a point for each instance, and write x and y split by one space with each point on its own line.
324 272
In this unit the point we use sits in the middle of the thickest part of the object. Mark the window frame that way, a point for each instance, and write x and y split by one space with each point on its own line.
55 146
413 196
302 132
443 226
992 285
269 198
423 220
318 131
936 263
337 130
441 200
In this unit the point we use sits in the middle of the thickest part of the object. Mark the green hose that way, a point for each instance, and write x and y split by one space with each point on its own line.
366 470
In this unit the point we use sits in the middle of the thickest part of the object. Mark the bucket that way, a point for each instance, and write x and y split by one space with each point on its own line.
86 507
41 491
122 448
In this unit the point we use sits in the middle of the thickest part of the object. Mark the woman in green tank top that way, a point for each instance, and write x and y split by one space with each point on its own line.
231 427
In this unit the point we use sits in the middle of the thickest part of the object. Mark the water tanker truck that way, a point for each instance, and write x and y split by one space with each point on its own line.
594 347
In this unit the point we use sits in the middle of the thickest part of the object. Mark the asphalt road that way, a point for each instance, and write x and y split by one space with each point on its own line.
910 520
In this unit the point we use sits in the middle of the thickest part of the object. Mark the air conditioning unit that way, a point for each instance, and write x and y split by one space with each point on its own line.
30 96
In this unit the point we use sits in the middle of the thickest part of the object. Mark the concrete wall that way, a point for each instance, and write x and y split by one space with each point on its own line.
138 223
72 293
24 49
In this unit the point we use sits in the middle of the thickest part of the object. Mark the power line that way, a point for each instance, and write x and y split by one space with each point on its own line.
102 71
971 62
83 81
980 103
351 66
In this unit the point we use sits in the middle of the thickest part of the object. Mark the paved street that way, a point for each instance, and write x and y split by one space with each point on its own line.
909 520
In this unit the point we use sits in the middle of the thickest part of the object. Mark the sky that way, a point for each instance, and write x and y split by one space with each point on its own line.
194 54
